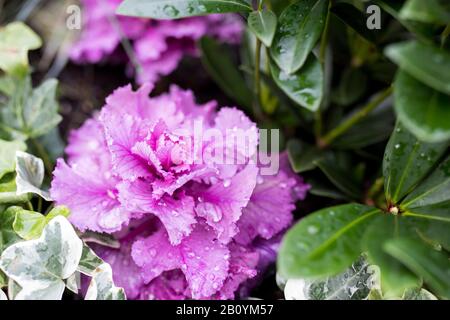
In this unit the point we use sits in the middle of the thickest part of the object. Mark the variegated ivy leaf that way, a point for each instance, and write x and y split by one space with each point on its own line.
40 266
30 175
73 282
102 286
409 294
418 294
89 261
16 39
13 289
3 295
103 239
29 224
353 284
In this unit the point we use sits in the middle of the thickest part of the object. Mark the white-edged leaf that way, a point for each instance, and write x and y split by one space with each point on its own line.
353 284
3 295
40 266
13 289
89 261
16 39
102 286
73 282
418 294
30 175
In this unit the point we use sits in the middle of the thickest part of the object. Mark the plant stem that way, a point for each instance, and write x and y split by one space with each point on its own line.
355 118
125 44
43 155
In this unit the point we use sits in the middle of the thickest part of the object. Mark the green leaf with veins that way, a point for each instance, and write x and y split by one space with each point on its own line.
263 24
407 161
305 87
424 62
423 110
325 242
432 265
299 27
432 191
395 277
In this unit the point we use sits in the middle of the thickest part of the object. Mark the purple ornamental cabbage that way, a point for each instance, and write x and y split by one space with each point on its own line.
187 228
158 45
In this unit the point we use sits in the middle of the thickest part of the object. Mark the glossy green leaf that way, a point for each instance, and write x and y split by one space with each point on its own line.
305 87
30 175
375 128
7 155
353 18
341 174
302 156
432 265
395 277
263 24
429 11
222 69
427 63
435 189
299 27
175 9
352 87
102 285
40 266
16 39
433 228
423 110
353 284
407 161
325 189
422 30
324 243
